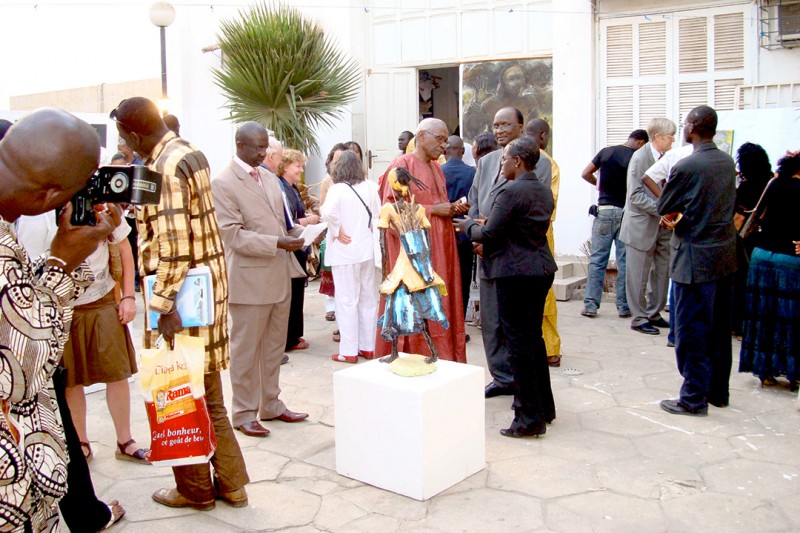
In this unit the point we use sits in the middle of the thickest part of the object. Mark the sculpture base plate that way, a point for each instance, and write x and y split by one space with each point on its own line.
412 365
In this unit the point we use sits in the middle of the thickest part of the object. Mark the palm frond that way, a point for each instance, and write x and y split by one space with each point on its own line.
281 70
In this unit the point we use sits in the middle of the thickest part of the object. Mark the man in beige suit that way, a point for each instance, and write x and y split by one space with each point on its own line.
258 250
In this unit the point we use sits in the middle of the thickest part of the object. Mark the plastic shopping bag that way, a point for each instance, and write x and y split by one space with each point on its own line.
181 432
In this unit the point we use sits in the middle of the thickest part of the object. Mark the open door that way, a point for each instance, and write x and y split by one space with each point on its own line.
392 107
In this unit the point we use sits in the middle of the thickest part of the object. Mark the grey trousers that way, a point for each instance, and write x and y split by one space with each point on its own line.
497 358
647 279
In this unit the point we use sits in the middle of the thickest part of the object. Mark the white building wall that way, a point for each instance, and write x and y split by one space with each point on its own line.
198 102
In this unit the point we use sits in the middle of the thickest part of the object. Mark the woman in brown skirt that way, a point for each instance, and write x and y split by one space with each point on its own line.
100 350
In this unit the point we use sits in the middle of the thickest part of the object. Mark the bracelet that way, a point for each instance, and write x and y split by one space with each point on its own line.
61 262
126 297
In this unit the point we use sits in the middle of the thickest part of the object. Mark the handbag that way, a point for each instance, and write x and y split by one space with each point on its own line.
181 431
753 222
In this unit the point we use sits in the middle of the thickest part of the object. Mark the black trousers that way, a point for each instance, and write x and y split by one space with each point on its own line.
82 511
703 341
465 261
295 330
520 302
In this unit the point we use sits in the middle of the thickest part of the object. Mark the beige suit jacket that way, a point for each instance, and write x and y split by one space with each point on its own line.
251 220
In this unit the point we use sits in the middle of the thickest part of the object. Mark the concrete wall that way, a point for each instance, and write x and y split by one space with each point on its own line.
95 99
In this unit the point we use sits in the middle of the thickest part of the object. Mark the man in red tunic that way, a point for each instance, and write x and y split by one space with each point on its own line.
431 193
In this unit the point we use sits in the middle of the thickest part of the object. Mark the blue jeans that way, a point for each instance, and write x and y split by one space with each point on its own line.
605 231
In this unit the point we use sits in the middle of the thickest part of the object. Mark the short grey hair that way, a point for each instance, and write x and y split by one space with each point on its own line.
429 123
660 126
274 144
348 169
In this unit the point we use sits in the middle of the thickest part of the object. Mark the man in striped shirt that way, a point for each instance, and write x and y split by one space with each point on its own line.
180 233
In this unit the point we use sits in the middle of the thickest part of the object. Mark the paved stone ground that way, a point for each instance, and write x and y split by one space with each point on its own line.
612 460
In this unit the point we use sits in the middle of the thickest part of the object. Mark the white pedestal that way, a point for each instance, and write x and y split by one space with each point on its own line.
415 436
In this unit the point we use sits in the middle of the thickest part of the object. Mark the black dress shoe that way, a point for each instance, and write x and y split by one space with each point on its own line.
493 389
718 403
674 407
659 322
519 433
646 328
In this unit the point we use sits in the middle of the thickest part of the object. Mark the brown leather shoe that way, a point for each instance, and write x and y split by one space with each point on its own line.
234 498
554 360
172 498
253 429
289 416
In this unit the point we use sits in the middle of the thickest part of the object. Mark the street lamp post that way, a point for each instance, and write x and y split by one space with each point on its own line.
162 15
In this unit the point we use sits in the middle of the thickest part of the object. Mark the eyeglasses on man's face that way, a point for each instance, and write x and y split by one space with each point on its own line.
440 138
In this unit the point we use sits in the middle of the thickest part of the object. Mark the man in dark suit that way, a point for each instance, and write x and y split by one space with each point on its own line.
486 186
697 202
258 250
458 177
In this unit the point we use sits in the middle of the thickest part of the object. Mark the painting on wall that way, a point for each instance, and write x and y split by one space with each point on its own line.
724 141
488 86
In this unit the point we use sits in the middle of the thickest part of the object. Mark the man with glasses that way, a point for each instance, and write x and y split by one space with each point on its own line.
430 191
487 184
646 242
180 233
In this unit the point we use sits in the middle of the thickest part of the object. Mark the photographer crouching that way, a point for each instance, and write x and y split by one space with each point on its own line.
45 158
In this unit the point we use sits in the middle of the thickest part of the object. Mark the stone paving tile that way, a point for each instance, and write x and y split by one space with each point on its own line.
611 461
542 476
604 511
753 478
485 510
689 449
723 512
650 478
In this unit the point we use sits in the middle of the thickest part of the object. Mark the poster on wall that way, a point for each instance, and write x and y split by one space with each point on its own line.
488 86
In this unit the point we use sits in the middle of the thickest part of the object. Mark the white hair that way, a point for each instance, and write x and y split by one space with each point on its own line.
274 145
429 123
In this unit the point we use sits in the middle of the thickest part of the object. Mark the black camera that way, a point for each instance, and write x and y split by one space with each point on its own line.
130 184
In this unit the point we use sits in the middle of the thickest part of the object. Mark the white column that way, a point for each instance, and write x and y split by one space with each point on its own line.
574 103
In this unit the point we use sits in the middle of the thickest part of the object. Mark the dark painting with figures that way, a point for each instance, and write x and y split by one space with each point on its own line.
488 86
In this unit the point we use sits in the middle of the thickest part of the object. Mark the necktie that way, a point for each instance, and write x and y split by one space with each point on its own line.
254 173
497 177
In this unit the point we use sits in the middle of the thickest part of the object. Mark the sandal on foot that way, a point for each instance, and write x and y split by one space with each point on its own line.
330 316
172 498
138 456
86 448
336 336
117 512
345 358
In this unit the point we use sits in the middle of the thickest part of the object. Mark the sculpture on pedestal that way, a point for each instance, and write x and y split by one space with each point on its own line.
413 291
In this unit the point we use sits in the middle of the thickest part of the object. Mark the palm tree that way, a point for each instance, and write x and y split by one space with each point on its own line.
279 69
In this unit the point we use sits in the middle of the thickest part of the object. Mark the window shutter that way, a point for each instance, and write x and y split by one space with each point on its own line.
729 41
652 103
691 95
653 48
619 114
619 55
725 94
693 45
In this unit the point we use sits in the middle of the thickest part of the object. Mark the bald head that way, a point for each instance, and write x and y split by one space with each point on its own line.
252 142
45 158
455 148
703 122
538 130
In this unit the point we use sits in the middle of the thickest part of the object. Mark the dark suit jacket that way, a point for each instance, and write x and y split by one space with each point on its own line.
702 186
515 235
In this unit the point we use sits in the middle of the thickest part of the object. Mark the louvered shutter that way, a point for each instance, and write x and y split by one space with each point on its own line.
729 42
693 45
